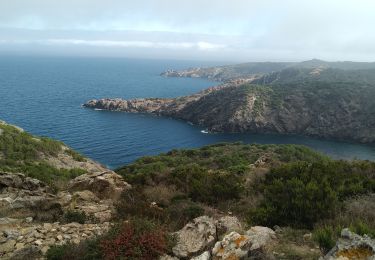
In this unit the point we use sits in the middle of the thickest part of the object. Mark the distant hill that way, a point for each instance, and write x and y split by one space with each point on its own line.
318 101
253 70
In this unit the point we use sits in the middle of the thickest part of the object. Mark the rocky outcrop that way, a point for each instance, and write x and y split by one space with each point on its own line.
260 237
195 237
227 224
352 246
303 105
28 206
105 185
233 246
21 197
198 240
32 241
240 246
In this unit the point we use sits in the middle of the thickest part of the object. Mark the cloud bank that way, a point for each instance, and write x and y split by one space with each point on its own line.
238 30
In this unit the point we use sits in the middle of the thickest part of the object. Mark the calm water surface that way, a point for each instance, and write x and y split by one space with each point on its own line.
44 96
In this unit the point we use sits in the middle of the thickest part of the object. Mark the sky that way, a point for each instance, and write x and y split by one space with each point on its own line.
218 30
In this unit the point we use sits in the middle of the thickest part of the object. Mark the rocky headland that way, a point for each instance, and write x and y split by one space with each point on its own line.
321 102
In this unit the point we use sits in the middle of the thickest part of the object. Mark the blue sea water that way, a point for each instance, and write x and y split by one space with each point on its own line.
44 96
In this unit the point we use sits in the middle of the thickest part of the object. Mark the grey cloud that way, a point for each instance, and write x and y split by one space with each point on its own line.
221 29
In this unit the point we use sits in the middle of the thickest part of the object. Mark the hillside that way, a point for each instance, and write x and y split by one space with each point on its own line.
50 195
253 70
327 103
215 202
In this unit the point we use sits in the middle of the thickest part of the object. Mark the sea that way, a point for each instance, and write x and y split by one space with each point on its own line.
44 96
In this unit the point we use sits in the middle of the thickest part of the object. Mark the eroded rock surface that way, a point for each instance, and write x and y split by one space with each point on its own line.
195 237
352 246
33 240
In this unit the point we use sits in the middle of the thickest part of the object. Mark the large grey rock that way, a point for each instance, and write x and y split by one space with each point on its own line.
228 224
352 246
260 237
105 185
195 237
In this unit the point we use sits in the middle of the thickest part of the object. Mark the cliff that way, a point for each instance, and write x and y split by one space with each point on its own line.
328 103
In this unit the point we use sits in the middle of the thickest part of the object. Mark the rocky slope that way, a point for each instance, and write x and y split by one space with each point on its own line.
327 103
204 199
35 215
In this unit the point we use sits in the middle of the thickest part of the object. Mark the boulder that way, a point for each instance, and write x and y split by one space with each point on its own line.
105 185
204 256
233 246
352 246
228 224
195 237
260 237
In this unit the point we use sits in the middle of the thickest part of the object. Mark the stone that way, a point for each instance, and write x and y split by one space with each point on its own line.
20 246
85 195
47 226
44 249
7 246
352 246
28 219
38 242
105 185
227 224
195 237
204 256
59 237
260 236
233 246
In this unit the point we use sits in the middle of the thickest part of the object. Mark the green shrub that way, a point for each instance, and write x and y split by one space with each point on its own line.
300 194
325 237
85 250
75 216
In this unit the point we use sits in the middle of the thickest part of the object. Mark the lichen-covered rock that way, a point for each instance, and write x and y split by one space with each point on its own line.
204 256
260 236
195 237
352 246
105 185
233 246
227 224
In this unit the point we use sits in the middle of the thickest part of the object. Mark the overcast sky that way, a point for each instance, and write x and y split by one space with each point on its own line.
223 30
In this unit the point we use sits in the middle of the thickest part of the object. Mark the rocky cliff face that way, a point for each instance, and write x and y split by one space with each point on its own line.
293 102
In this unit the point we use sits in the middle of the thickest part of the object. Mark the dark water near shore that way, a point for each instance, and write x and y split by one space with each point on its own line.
44 96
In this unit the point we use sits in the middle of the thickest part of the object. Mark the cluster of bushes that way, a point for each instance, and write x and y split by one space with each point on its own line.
17 145
213 173
300 194
134 239
174 213
21 152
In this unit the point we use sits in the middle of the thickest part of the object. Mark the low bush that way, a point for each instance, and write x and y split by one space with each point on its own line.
75 216
300 194
86 250
136 239
325 237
